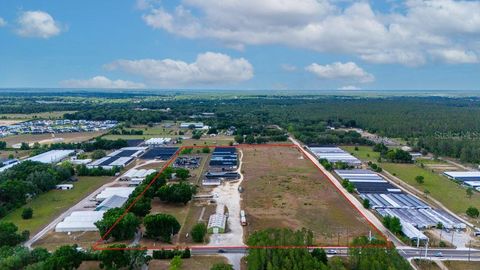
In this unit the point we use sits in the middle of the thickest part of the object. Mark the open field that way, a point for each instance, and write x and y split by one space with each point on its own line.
195 262
51 204
16 153
426 265
29 116
462 265
44 138
447 192
282 189
211 141
53 240
151 132
192 218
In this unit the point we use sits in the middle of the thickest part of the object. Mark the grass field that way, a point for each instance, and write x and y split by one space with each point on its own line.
149 132
461 265
44 115
282 189
195 262
45 138
51 204
449 193
426 265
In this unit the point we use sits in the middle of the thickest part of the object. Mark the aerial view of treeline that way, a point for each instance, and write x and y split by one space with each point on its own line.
441 125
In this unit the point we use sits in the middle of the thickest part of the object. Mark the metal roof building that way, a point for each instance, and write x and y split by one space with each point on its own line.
114 201
80 221
158 141
111 191
52 157
464 176
335 154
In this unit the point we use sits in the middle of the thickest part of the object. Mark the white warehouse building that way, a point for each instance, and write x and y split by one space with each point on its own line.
52 157
80 221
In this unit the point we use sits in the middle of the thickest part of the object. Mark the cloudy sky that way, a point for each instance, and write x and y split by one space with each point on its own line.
241 44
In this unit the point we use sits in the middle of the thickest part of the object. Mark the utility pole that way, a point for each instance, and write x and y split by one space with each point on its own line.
426 247
469 249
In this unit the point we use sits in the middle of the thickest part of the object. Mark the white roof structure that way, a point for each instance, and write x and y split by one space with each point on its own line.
137 174
463 174
80 221
53 156
217 221
135 151
158 141
111 191
473 184
413 233
335 154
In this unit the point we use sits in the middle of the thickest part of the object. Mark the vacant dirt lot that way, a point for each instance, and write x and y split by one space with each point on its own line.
282 189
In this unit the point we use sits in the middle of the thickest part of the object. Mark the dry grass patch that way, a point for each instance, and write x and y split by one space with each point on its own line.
53 240
283 189
67 137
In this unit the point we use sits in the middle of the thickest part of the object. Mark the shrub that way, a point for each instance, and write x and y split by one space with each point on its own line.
27 213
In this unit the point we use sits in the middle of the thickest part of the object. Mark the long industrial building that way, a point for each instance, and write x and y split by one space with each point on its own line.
51 157
119 158
334 155
388 200
80 221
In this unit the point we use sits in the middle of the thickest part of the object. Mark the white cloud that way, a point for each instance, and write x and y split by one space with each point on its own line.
37 24
341 71
455 56
2 22
101 82
403 35
288 67
208 69
349 88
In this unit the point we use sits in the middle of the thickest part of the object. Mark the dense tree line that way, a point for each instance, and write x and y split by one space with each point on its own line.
97 144
83 170
29 179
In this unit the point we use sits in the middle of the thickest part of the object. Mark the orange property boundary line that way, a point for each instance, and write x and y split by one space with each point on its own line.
101 241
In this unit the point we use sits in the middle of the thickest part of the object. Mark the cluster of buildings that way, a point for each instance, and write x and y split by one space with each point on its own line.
136 176
84 221
222 166
56 126
119 158
388 200
187 162
335 155
469 179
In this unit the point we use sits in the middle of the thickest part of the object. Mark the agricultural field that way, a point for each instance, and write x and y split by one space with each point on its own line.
283 189
150 132
51 138
25 117
51 204
447 192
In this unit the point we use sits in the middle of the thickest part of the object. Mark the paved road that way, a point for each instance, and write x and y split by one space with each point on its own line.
406 252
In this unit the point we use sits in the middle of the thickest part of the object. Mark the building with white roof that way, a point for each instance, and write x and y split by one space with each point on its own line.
334 155
111 191
136 176
197 125
80 221
157 141
463 176
52 157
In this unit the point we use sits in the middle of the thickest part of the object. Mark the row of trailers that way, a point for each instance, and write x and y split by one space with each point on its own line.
389 200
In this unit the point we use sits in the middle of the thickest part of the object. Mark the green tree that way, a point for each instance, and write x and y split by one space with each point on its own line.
141 207
198 232
250 139
221 266
9 235
206 150
24 146
27 213
469 192
175 263
239 139
115 257
65 258
3 145
320 255
366 203
176 193
98 154
182 173
420 179
162 226
472 212
123 230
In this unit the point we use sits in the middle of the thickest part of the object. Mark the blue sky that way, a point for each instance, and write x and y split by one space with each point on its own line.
241 44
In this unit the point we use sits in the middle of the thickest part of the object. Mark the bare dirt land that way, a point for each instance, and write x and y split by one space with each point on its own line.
67 137
283 189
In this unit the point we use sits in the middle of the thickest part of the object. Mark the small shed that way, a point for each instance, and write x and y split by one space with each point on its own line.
217 223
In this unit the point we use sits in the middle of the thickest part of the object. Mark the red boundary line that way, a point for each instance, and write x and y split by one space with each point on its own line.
172 247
